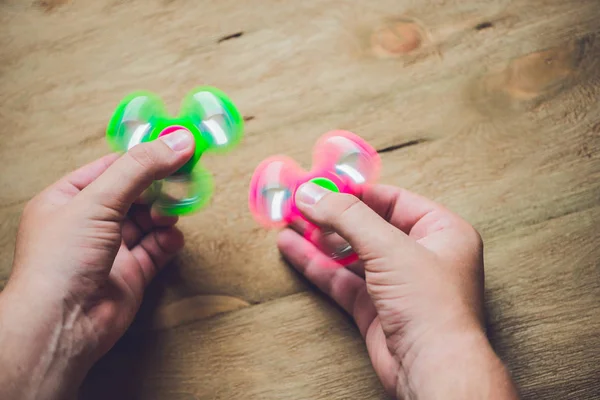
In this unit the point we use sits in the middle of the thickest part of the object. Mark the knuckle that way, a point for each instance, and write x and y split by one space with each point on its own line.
142 155
31 204
340 206
348 204
30 207
143 160
34 205
472 236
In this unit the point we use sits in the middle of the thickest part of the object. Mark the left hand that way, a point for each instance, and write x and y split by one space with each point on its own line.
83 258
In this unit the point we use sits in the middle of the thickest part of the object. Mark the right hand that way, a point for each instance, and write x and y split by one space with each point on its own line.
417 298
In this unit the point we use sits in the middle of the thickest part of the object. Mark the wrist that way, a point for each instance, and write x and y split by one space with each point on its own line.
457 365
39 358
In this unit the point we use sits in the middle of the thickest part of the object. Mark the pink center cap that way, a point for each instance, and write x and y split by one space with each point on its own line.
172 129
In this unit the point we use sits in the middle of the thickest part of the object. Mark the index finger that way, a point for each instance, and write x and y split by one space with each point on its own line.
77 180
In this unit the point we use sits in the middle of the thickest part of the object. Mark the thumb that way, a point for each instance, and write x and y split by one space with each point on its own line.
125 180
370 236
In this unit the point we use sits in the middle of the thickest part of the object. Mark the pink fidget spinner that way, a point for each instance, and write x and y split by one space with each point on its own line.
342 162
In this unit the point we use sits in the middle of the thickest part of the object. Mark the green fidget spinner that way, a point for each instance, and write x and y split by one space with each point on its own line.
207 113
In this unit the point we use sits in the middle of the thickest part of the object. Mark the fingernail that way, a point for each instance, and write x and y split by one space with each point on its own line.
178 140
309 194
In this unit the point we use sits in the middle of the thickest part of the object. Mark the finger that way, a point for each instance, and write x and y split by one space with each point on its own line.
153 252
415 215
385 365
343 286
131 233
430 224
125 180
156 249
147 219
300 226
368 233
74 182
161 220
85 175
140 221
349 292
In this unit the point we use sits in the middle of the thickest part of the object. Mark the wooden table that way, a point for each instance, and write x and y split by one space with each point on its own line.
492 108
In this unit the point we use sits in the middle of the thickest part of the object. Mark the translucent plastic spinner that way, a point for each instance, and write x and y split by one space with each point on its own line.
207 113
342 162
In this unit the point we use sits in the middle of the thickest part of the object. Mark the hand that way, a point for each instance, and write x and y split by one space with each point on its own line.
417 297
83 258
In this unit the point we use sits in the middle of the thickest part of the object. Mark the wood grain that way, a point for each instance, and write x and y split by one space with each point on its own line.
542 299
489 107
296 347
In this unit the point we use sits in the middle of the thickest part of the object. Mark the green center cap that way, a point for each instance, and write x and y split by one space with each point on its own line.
326 183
